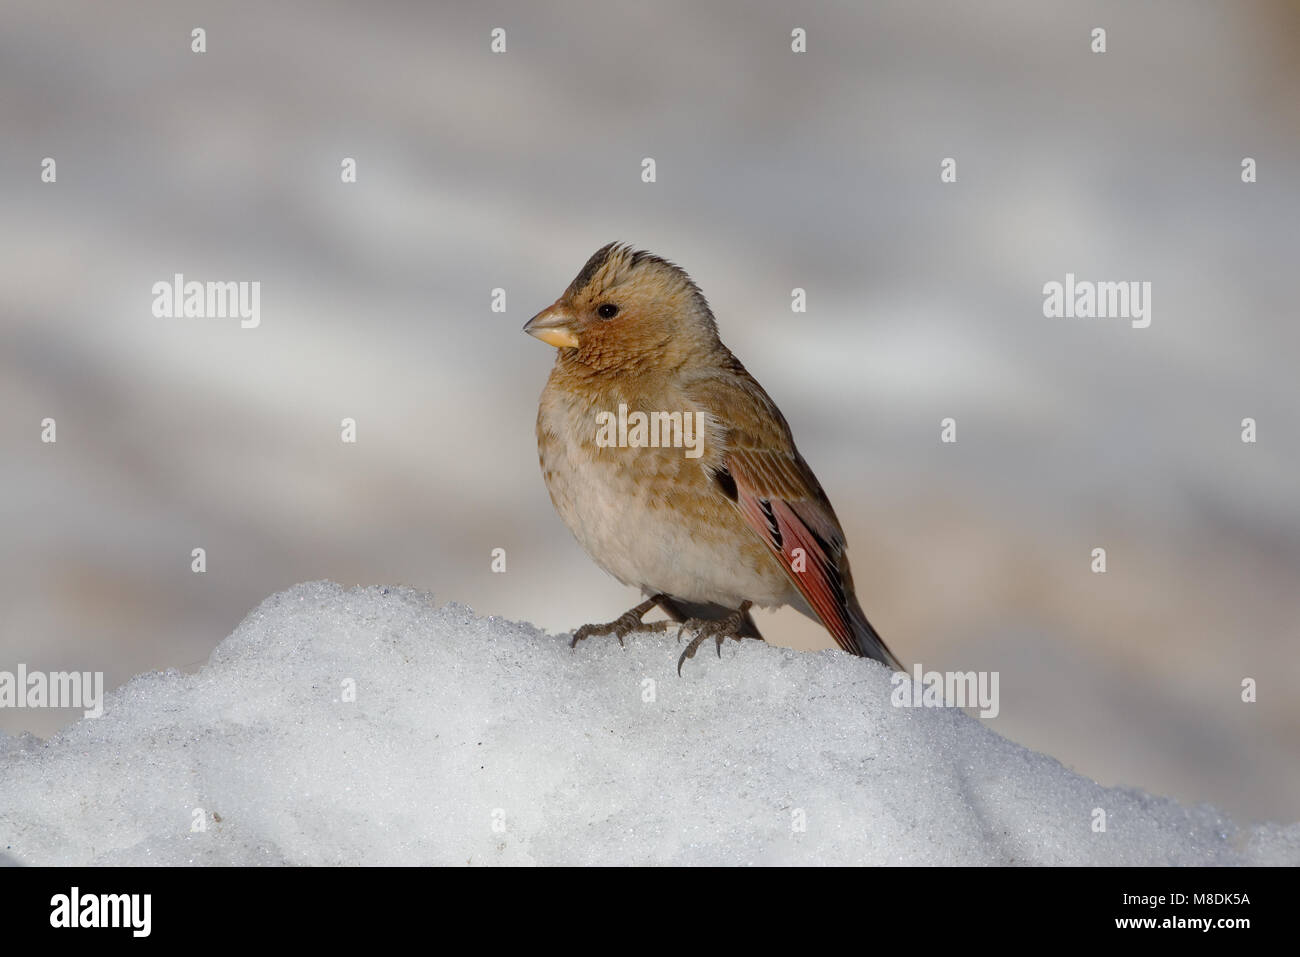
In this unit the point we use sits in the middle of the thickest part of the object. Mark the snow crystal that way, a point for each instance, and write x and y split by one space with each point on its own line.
371 726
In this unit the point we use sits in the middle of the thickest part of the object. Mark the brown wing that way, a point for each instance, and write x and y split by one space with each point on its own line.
767 479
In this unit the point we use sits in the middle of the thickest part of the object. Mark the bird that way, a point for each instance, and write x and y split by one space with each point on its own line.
707 519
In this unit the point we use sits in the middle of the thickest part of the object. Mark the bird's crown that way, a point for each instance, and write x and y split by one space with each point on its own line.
616 264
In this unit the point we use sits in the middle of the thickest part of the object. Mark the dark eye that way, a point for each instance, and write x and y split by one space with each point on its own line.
607 311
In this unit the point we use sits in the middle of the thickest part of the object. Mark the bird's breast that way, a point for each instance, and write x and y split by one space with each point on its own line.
651 514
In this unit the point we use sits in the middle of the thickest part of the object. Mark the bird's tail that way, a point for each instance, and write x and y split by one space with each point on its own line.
869 642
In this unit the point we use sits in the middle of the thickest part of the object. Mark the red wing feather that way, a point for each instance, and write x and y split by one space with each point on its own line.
782 502
804 558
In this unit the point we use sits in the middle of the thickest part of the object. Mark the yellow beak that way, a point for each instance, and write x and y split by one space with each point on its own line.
553 326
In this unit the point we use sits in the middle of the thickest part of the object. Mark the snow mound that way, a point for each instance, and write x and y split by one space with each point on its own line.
371 726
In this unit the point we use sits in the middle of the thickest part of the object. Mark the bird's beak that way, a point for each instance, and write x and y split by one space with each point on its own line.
554 326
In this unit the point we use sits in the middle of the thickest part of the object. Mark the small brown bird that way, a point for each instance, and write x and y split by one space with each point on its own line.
675 470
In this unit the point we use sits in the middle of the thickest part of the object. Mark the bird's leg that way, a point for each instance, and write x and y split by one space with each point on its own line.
628 621
719 630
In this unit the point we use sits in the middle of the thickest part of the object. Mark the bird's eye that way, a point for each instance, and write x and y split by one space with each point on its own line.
607 311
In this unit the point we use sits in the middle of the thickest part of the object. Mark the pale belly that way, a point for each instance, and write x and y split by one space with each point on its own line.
653 520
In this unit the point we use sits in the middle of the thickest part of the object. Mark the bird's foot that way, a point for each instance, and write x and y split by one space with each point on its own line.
719 630
625 623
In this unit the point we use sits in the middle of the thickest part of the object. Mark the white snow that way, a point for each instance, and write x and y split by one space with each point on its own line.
483 741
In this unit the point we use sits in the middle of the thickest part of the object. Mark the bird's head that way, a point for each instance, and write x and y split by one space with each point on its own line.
627 306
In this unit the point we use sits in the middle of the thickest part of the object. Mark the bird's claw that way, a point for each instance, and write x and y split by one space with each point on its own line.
619 627
719 630
704 628
624 624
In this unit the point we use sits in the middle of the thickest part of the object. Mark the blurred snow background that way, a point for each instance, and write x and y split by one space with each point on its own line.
775 171
483 741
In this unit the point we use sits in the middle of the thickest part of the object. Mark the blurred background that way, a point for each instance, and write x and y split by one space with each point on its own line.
775 170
